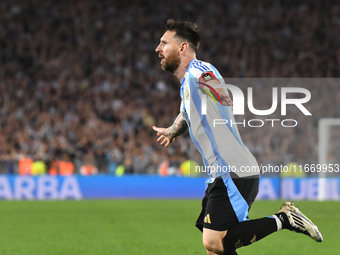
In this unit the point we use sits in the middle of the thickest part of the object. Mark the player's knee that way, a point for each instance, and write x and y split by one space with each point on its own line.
213 246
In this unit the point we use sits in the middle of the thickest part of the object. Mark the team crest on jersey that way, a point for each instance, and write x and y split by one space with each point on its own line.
186 92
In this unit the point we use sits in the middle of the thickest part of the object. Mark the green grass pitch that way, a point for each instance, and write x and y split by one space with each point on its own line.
136 227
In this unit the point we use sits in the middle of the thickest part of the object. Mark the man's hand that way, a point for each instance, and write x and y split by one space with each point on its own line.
225 99
164 137
167 135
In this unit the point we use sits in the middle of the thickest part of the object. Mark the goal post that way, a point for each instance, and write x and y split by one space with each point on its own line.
329 134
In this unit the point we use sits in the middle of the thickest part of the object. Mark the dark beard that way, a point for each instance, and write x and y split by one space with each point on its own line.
172 62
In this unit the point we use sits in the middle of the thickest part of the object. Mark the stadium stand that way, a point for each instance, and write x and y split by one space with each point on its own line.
79 77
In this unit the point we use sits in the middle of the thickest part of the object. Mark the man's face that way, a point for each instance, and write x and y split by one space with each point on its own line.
168 51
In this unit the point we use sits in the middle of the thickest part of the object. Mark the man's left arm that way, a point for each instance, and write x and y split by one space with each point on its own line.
210 81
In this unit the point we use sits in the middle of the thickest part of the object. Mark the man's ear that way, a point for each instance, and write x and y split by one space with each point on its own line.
183 47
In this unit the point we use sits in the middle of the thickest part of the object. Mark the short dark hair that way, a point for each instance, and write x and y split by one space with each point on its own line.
185 30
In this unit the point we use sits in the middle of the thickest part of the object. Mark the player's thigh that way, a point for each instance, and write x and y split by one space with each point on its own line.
213 240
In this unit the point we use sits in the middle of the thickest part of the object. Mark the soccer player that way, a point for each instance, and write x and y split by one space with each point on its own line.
231 191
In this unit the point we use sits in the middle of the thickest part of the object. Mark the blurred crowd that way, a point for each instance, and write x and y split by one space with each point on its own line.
80 81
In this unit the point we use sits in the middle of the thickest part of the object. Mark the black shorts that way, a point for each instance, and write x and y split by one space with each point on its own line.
227 202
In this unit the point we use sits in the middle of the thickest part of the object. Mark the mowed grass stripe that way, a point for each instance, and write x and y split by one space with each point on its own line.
133 227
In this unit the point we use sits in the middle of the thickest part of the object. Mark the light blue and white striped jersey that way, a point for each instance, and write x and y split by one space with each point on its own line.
220 144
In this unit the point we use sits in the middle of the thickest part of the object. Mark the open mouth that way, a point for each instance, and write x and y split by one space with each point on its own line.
161 57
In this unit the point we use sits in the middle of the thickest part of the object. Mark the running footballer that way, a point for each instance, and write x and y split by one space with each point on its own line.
224 217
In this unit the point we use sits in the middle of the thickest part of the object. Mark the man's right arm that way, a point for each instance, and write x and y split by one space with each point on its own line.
178 127
167 135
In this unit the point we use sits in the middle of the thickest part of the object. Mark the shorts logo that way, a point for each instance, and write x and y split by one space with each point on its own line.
207 219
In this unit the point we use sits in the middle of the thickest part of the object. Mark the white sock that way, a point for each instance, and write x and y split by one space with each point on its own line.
278 222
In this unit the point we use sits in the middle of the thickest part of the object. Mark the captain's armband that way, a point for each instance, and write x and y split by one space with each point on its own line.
206 77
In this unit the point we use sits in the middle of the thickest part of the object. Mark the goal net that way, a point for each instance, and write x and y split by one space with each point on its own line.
329 152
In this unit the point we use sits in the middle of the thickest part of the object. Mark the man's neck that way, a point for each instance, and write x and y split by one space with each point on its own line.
180 72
